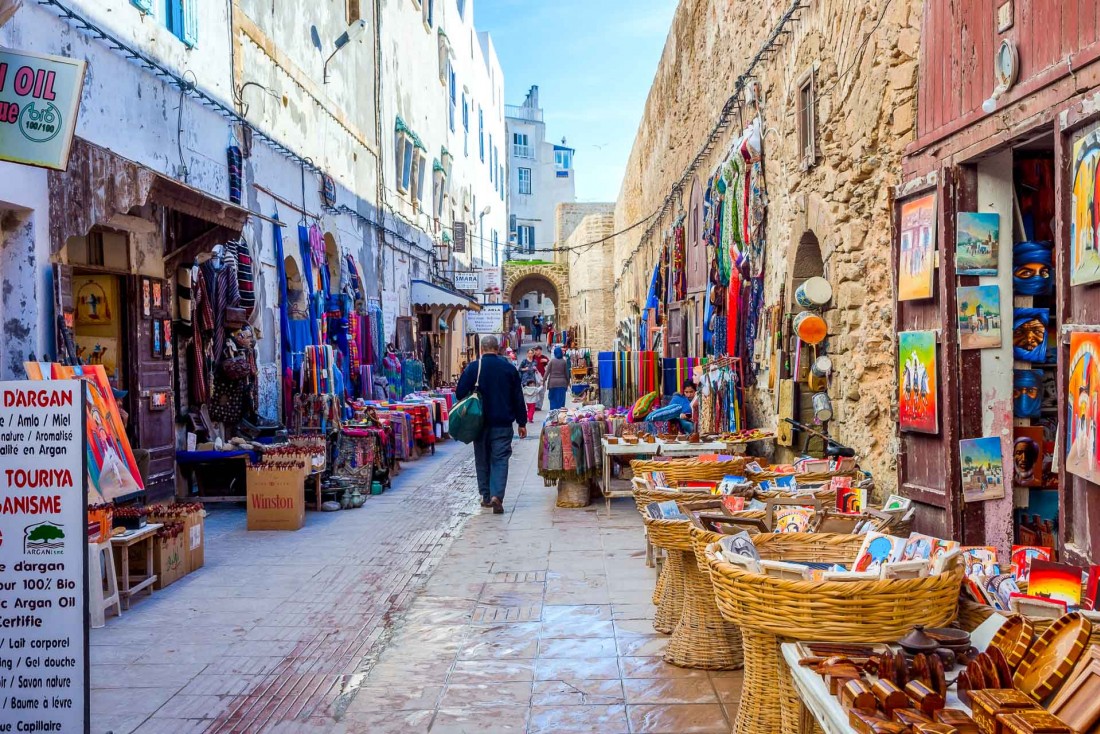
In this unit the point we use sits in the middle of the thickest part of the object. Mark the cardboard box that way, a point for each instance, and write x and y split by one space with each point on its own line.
169 559
194 533
276 499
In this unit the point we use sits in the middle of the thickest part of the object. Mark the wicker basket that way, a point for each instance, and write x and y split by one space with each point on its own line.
771 610
682 470
573 493
807 478
701 639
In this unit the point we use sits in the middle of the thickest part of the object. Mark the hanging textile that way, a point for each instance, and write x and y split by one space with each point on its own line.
246 278
675 373
679 263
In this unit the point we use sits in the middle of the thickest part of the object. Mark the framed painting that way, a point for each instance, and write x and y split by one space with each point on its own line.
979 316
1082 406
982 469
1028 456
96 300
918 382
917 248
977 243
1084 221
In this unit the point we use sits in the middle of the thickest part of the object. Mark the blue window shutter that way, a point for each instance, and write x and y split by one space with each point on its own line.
145 6
173 17
190 23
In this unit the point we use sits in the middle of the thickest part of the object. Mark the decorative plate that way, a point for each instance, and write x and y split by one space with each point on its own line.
1014 639
1051 659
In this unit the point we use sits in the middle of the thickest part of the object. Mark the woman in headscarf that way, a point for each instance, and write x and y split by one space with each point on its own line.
557 379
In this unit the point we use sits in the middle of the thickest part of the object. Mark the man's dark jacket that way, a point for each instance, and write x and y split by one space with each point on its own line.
501 395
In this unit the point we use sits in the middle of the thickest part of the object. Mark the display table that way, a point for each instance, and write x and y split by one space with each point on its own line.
120 545
187 462
826 709
681 449
610 487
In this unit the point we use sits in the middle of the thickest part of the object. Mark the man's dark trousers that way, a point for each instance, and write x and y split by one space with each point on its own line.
492 450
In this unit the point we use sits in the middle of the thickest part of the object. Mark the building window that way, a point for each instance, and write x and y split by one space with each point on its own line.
563 159
525 238
454 95
492 165
524 180
439 188
807 122
352 11
405 149
182 19
145 6
500 177
481 132
417 179
496 248
465 125
428 9
521 146
462 8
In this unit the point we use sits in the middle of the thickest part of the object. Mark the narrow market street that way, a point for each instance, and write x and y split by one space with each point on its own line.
418 612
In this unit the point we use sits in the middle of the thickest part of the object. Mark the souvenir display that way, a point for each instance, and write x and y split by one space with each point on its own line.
979 313
977 243
1027 456
918 402
1056 581
917 257
1023 555
1027 392
1052 656
982 469
1082 396
1032 268
1029 334
1084 261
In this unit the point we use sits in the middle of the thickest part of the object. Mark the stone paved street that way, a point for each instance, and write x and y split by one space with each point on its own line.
420 612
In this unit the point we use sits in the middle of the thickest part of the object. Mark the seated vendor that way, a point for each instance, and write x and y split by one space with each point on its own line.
679 408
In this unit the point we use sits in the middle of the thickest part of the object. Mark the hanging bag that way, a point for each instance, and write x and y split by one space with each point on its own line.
467 418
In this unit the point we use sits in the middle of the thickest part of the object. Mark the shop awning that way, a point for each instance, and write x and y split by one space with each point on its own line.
430 294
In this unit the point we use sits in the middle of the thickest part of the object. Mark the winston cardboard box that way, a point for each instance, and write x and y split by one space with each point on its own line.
276 499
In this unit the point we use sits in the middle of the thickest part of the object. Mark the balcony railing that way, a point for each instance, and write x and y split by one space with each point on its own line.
523 151
519 112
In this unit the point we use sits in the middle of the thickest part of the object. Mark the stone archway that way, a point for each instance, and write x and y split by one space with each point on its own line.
520 278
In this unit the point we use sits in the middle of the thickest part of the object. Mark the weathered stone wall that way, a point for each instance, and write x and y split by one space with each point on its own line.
590 272
865 73
568 217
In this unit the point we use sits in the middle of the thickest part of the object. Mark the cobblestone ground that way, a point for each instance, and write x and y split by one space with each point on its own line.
420 612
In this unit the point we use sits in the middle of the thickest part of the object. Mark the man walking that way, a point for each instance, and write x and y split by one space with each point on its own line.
502 404
536 327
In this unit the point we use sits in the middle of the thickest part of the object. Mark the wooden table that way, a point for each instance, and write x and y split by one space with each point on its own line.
120 544
611 487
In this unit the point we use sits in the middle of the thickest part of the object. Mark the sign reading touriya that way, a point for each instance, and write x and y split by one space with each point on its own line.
39 98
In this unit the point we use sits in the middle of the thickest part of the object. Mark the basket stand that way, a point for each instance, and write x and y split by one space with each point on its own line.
573 493
671 604
702 640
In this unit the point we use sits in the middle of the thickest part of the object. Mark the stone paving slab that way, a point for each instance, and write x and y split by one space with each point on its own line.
421 612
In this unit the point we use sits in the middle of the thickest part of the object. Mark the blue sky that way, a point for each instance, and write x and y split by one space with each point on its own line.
593 61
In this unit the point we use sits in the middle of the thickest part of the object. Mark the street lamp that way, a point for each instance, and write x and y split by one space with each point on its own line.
353 33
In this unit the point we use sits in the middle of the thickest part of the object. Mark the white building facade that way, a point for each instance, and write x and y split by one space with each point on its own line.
540 176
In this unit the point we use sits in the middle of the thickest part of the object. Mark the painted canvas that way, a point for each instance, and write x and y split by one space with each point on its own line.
977 241
979 316
918 382
1027 456
96 299
917 250
1083 406
1023 555
1084 223
1029 334
1058 581
982 469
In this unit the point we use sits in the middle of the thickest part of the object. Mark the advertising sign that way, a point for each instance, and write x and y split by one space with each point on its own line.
39 99
489 320
491 279
43 557
467 281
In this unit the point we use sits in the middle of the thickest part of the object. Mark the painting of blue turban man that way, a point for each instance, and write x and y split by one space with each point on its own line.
1027 393
1033 268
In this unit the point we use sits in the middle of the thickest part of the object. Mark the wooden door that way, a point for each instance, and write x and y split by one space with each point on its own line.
928 464
151 396
1079 312
66 313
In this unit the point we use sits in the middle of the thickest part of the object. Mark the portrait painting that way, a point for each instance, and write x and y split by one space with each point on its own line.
982 468
1029 334
1027 393
979 309
917 248
1028 456
1084 222
1083 405
977 243
1032 269
918 382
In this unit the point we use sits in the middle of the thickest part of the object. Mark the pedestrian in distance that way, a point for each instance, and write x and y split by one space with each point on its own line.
536 327
541 361
557 379
502 405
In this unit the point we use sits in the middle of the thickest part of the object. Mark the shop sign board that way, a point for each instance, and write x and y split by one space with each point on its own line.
43 557
468 281
390 305
39 99
460 237
492 280
489 320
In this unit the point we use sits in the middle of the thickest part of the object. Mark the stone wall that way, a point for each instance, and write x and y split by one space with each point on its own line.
864 77
568 217
590 273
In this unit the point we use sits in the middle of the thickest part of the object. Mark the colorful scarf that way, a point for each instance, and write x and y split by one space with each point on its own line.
568 459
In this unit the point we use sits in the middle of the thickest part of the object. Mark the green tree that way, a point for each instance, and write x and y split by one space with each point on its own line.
45 533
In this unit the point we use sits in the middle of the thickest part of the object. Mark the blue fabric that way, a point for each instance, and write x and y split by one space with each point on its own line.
284 299
558 354
294 345
557 397
492 450
502 400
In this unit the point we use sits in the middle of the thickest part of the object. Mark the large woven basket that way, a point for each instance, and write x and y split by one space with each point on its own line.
573 493
771 610
682 470
806 478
